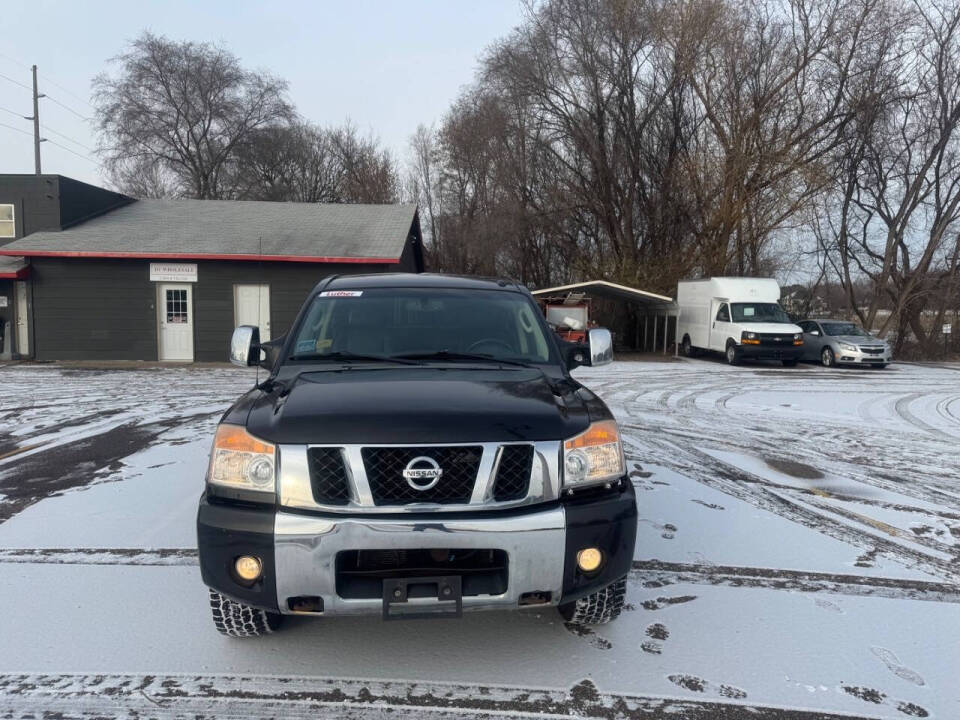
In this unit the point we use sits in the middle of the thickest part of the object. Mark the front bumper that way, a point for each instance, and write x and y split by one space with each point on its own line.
770 352
859 357
299 550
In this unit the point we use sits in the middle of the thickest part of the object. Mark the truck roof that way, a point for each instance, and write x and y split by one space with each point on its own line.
419 280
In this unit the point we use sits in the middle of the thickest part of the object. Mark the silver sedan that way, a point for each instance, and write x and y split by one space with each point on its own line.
837 342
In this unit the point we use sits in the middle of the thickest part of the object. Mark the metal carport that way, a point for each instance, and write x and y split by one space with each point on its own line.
658 308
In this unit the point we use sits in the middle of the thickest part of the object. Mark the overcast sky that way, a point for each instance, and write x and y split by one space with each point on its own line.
388 66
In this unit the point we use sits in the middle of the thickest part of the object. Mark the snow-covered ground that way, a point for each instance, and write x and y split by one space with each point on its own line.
798 556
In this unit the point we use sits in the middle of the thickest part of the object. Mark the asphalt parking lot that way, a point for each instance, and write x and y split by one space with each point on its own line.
798 556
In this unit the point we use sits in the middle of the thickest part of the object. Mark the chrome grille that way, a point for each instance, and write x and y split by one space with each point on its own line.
513 473
384 467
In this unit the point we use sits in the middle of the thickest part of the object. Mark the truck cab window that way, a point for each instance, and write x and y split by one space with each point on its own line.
723 314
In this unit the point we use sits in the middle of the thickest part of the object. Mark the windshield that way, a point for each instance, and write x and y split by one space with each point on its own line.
844 328
759 312
389 322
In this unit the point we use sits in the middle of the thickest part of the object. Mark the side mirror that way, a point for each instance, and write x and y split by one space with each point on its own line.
601 346
815 332
245 346
271 352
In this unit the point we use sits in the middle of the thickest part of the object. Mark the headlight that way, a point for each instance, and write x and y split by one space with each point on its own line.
847 347
749 338
593 456
798 338
239 460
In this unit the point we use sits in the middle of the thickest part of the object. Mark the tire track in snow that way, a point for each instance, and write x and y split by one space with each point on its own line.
113 696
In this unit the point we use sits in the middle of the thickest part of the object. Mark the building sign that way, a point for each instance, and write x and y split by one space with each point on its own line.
3 301
173 272
947 328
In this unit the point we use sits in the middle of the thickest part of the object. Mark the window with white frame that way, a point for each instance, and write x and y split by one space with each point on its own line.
8 228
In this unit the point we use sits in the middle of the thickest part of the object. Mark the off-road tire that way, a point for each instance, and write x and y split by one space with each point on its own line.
789 363
599 608
733 357
827 358
235 619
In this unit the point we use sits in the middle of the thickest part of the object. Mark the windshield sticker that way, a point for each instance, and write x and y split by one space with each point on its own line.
305 346
341 293
748 312
323 344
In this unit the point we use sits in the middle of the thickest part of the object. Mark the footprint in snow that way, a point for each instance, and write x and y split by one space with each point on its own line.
662 602
697 684
582 631
828 605
889 658
656 632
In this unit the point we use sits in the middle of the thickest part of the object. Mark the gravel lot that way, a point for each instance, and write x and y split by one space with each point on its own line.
798 556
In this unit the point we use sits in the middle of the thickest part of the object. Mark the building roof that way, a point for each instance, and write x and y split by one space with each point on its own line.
603 288
232 229
13 267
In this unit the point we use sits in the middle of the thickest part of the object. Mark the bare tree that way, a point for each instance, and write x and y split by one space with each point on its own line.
181 109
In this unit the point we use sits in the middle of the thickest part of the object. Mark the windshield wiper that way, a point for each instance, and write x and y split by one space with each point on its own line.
474 357
351 357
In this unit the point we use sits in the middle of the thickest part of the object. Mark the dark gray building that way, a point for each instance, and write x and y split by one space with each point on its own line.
170 279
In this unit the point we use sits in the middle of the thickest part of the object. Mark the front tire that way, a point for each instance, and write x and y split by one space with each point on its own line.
235 619
598 608
733 356
828 358
686 346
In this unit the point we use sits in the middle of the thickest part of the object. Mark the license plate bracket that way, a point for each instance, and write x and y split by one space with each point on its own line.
439 596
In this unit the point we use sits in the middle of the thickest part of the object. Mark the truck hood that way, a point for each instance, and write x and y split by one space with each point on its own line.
769 327
419 405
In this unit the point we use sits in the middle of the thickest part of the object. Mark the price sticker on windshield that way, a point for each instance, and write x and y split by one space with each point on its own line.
341 293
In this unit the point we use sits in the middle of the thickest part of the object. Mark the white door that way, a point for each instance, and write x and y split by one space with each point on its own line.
251 306
720 325
23 339
176 321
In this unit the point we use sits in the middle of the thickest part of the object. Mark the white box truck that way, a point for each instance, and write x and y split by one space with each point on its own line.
739 317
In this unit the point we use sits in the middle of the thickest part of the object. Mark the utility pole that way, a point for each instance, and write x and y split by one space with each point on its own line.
36 122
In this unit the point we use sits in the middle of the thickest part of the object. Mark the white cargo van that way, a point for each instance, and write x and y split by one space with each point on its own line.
739 317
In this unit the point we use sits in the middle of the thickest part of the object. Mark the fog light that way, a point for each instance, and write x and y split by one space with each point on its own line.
589 559
248 567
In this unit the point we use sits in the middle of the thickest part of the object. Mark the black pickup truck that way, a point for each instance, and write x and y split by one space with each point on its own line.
418 449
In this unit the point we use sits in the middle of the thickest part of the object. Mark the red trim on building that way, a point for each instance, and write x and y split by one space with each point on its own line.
20 274
198 256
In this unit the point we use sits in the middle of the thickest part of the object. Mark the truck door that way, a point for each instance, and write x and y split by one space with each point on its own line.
720 326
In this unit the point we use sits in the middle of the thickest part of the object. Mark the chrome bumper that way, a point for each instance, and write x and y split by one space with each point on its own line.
306 547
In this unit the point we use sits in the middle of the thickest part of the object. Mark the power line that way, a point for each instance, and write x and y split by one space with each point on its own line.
79 155
67 107
16 82
47 128
14 112
68 92
11 127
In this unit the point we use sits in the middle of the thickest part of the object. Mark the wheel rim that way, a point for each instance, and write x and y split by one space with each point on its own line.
731 353
827 357
686 346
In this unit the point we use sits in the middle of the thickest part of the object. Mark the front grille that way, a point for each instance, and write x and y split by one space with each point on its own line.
513 472
385 466
328 476
776 339
871 351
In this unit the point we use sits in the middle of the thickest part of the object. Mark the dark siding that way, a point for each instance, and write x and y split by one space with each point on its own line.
290 283
80 201
105 309
93 310
35 200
